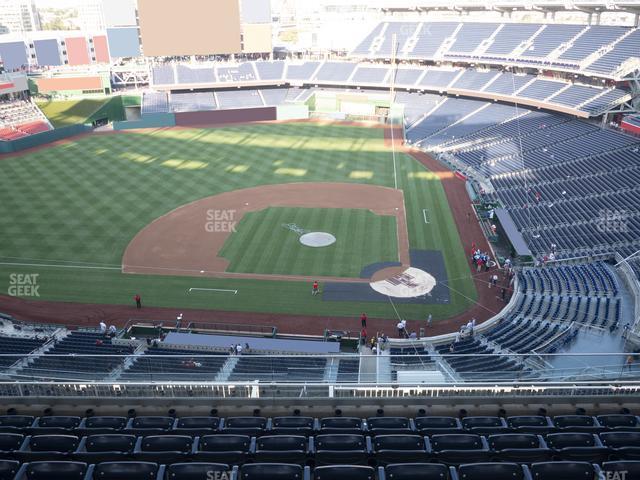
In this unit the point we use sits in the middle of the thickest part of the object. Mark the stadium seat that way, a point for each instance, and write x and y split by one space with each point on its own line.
16 423
98 425
222 448
196 426
292 425
253 426
9 443
150 425
271 471
352 425
457 448
282 449
531 424
400 449
619 422
519 447
485 425
577 447
344 472
341 448
415 471
631 467
48 470
563 471
492 471
127 471
55 425
47 447
624 445
8 469
577 423
388 425
164 448
105 448
194 471
437 425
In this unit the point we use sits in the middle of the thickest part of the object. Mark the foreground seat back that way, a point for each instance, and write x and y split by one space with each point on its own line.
271 471
8 469
417 471
52 470
491 471
344 472
223 448
126 471
196 471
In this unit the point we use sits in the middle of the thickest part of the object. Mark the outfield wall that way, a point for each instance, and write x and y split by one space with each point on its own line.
43 138
151 120
238 115
292 112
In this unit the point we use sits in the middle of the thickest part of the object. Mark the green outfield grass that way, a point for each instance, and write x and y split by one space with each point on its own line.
262 245
62 113
69 211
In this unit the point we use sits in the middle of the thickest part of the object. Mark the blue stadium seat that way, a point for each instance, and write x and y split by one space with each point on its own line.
16 423
352 425
624 445
253 426
8 469
400 449
105 448
341 448
619 422
344 472
196 426
282 449
127 471
47 447
48 470
519 447
195 471
485 425
415 471
62 425
98 425
457 448
293 425
563 470
164 448
492 471
9 443
437 425
389 425
223 448
577 447
577 423
150 425
531 424
271 471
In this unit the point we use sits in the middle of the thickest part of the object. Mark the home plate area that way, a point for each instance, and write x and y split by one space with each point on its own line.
423 282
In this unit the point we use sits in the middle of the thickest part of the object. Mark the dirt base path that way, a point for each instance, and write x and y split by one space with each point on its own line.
73 314
186 241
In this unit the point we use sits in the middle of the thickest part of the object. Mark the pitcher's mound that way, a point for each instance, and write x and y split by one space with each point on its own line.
410 283
317 239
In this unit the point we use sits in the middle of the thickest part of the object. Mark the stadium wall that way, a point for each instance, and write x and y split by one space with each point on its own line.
43 138
151 120
240 115
292 112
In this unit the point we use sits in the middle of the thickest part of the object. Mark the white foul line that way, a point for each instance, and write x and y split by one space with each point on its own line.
46 265
424 215
235 292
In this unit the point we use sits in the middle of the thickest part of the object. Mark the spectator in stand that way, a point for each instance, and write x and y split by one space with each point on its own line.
363 336
103 328
363 320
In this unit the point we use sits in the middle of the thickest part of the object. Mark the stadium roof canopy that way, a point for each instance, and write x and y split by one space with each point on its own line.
590 6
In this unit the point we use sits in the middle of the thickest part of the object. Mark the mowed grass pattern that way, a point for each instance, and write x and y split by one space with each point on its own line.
79 204
262 244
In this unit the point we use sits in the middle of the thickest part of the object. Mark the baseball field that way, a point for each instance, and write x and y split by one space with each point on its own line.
210 218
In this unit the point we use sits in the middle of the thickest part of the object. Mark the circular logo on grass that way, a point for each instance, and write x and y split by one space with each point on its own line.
317 239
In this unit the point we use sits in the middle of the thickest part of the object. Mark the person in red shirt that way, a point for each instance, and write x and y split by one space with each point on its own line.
363 320
138 301
363 336
315 289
